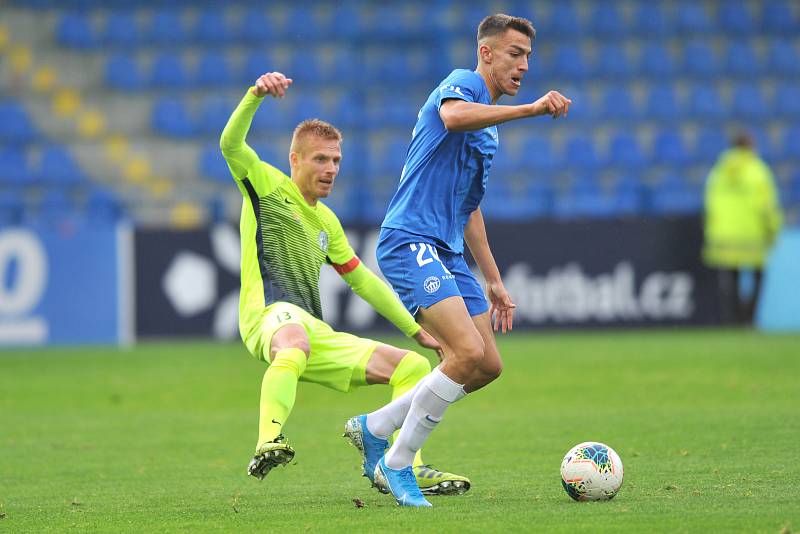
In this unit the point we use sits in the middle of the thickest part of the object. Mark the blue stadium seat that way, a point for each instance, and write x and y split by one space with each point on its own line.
669 149
741 59
302 107
700 60
168 70
212 164
170 117
614 61
213 70
56 206
709 144
564 20
662 103
692 17
256 26
706 102
14 167
539 155
656 61
348 21
588 201
618 104
211 27
505 203
736 18
750 102
75 29
11 208
777 17
569 62
305 66
389 158
649 19
167 28
122 29
672 195
783 58
16 126
256 63
580 152
214 114
124 73
103 206
790 143
57 165
786 99
397 112
605 19
625 151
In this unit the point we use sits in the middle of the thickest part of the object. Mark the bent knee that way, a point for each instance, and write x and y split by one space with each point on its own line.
471 354
290 337
493 370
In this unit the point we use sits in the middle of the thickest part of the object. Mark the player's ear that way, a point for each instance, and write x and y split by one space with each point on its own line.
293 159
485 53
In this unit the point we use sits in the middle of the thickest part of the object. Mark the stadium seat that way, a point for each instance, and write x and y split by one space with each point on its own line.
168 70
709 143
16 126
656 61
103 206
564 20
777 17
213 70
673 196
700 60
302 107
783 58
650 19
348 21
662 103
706 102
692 17
669 149
214 114
741 59
256 27
211 27
170 117
568 61
613 61
619 104
786 99
124 74
167 28
14 167
58 166
122 29
539 155
606 19
56 206
255 64
736 18
625 151
212 164
750 102
790 143
580 152
11 208
305 66
75 29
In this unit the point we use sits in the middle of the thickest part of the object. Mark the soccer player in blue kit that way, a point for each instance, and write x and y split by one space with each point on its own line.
421 245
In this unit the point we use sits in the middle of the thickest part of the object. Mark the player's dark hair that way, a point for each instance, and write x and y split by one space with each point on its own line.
498 24
316 128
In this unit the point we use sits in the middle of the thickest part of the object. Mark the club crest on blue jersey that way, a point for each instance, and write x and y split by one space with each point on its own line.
323 241
431 284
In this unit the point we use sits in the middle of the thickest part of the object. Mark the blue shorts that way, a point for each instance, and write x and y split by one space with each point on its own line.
423 274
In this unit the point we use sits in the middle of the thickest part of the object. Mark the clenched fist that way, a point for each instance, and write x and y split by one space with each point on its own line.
274 84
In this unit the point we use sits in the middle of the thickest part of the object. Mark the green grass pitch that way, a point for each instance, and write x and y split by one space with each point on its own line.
157 438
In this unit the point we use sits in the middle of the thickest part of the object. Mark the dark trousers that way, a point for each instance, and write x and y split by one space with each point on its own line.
736 307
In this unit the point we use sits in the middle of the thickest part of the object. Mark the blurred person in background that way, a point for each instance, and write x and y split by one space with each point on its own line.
287 235
742 220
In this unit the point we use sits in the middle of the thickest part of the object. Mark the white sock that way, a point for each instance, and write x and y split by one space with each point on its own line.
433 396
384 421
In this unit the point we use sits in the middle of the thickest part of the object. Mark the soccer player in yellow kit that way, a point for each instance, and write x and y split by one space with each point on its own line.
287 235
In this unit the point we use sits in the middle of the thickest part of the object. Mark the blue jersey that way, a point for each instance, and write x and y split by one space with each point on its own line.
445 174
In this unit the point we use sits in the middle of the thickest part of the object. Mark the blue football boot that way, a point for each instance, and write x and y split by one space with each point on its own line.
370 447
402 483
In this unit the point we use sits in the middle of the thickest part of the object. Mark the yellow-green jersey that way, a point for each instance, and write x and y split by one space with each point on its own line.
285 241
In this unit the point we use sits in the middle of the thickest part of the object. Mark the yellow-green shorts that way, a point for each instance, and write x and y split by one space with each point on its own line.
337 360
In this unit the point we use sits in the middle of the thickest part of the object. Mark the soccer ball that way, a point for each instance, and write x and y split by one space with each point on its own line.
591 471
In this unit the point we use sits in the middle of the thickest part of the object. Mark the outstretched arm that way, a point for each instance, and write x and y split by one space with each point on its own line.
500 300
237 152
462 116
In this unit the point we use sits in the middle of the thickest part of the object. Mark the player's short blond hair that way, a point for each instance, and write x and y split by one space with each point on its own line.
316 128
